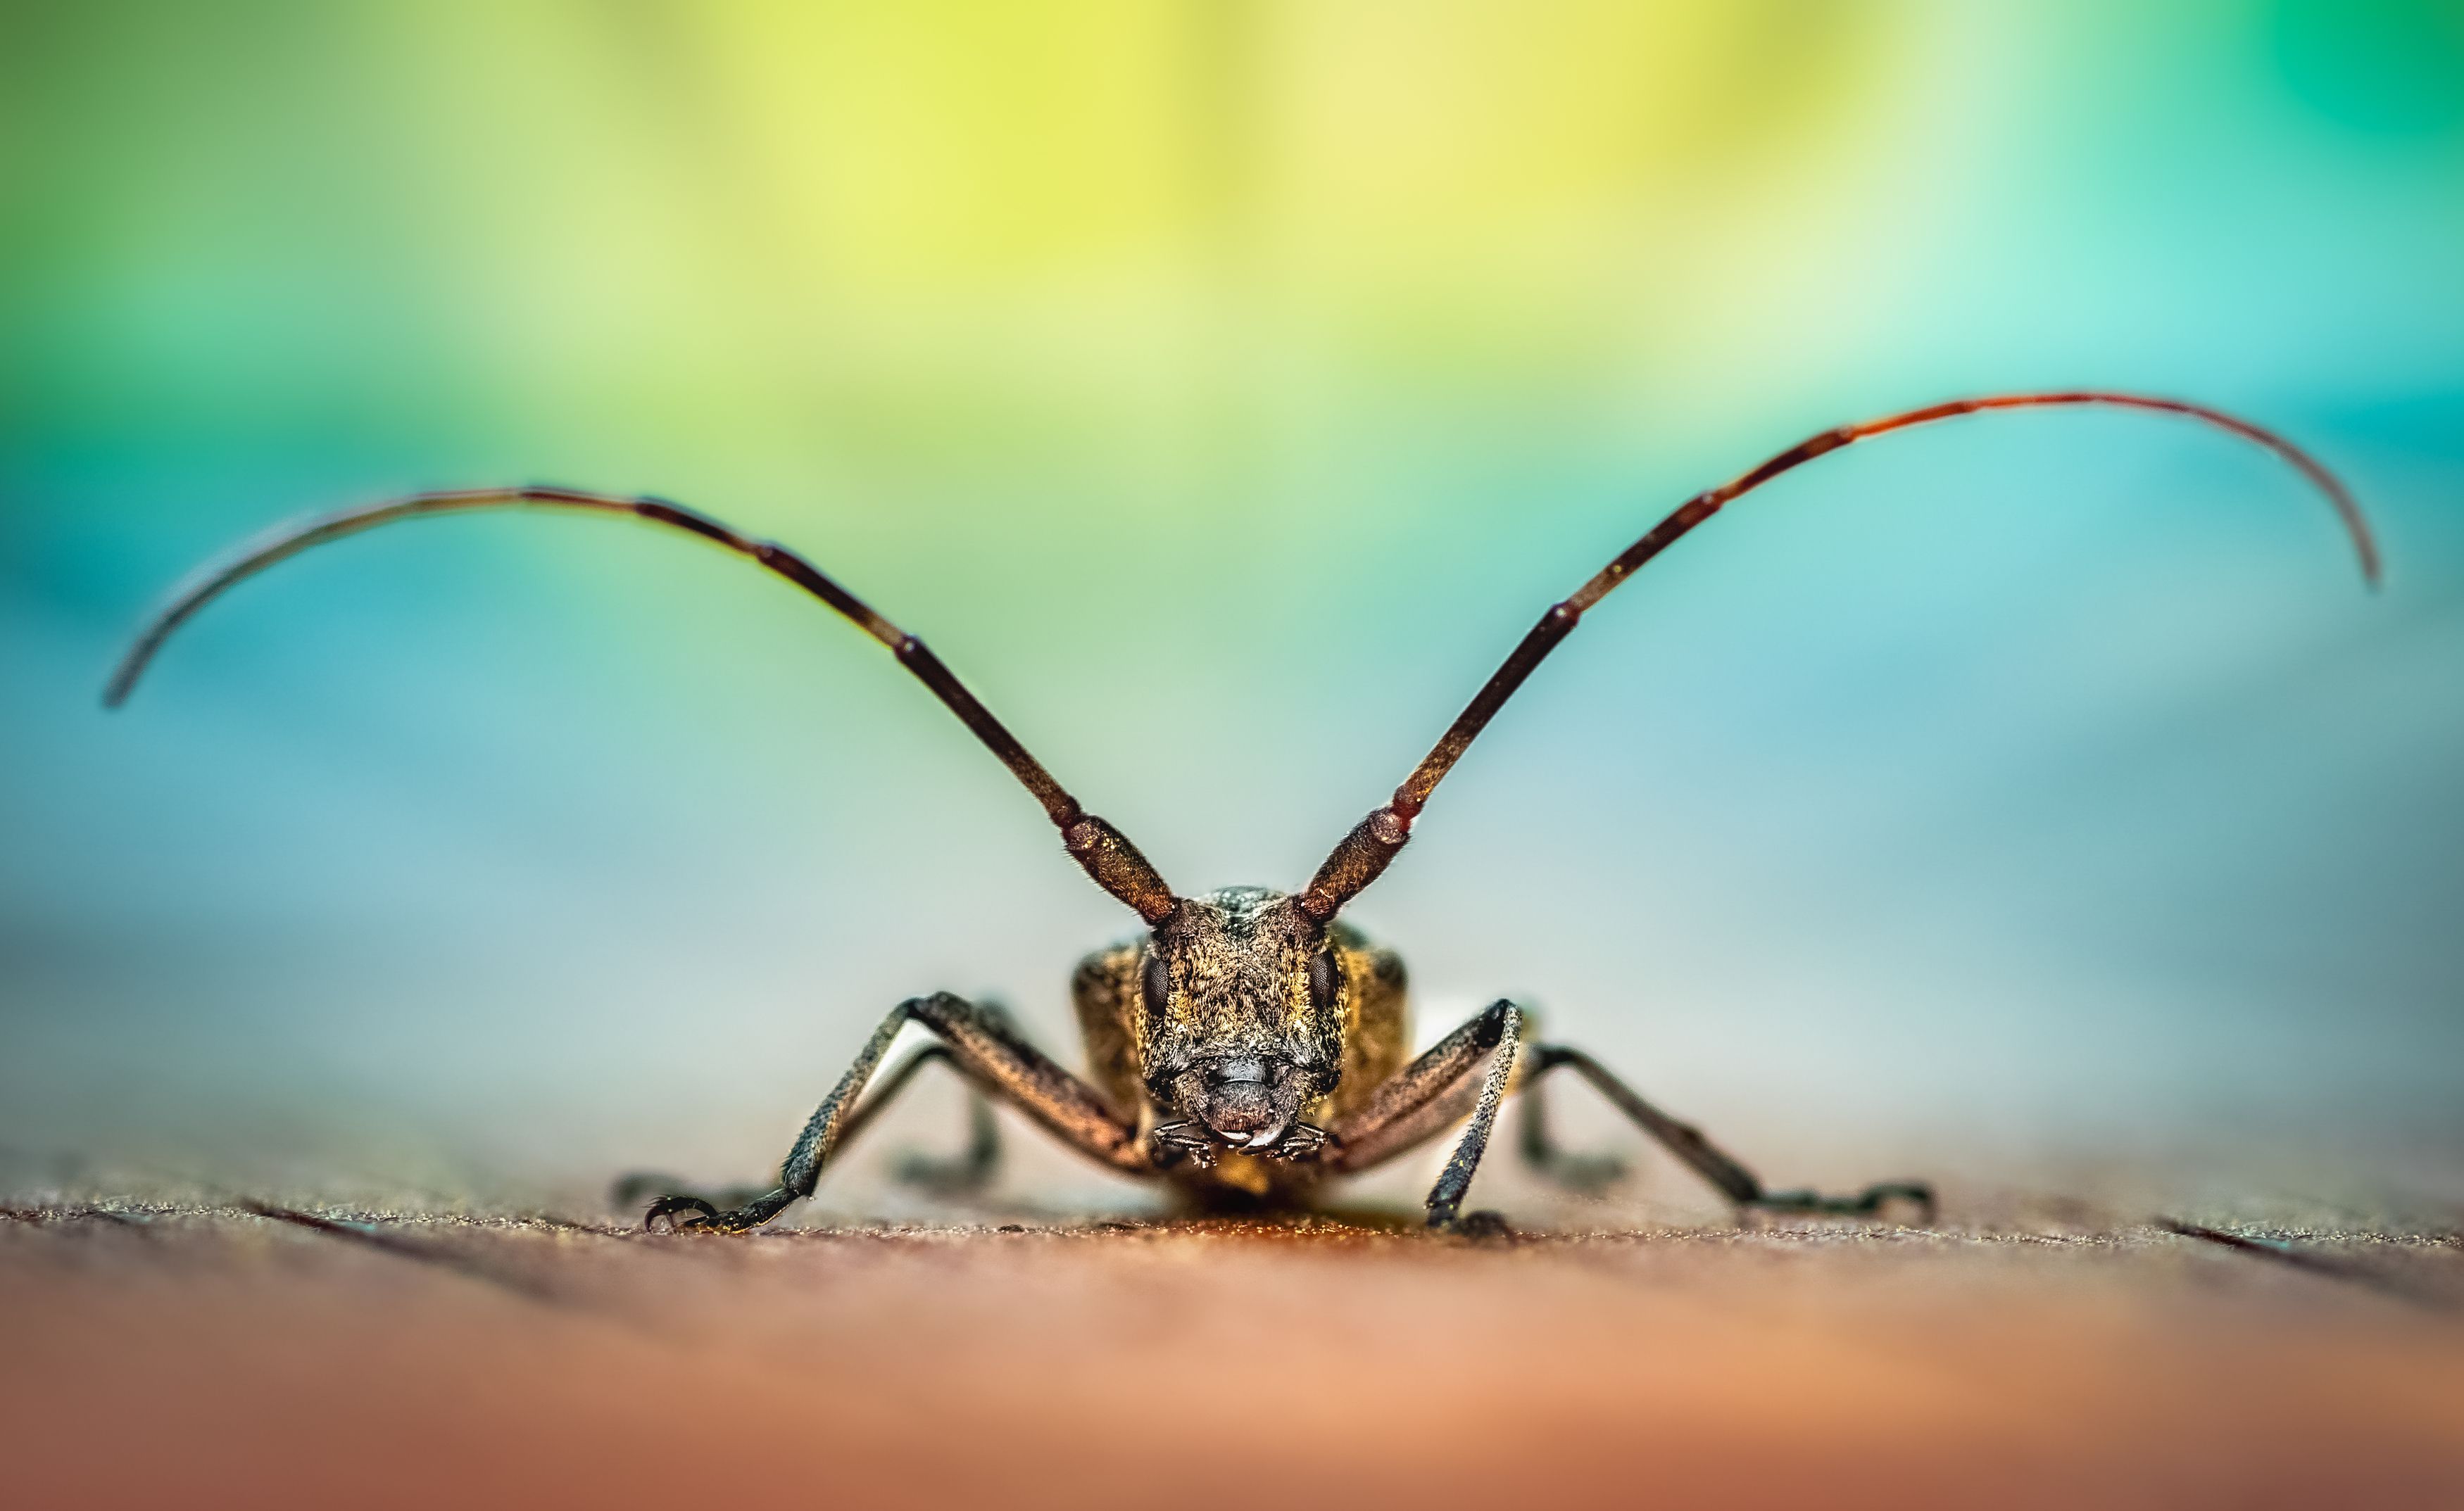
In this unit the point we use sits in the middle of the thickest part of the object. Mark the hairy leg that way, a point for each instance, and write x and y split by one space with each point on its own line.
1437 1090
1535 1139
983 1047
966 1171
1713 1163
1474 1063
963 1173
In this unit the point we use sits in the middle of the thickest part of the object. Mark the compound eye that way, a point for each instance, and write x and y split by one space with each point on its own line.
1322 978
1156 982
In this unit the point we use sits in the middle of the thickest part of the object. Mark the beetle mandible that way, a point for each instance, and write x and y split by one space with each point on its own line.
1249 1043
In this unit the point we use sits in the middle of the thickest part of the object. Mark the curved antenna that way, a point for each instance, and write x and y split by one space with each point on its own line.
1366 851
1105 853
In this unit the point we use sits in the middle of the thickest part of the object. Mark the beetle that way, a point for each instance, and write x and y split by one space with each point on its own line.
1248 1043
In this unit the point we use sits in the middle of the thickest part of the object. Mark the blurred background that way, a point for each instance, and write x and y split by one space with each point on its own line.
1223 388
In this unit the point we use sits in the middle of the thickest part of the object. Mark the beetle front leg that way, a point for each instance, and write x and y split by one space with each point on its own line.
952 1175
1425 1095
986 1050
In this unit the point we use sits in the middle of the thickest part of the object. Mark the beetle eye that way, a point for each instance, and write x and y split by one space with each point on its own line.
1157 984
1322 978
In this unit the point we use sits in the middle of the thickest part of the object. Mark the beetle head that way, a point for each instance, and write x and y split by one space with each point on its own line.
1241 1014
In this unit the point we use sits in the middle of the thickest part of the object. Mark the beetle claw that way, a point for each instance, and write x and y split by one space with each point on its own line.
1479 1227
682 1213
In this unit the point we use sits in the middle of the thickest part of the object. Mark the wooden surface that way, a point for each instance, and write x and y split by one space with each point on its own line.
221 1355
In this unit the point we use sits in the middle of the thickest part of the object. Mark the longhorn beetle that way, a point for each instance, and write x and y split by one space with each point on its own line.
1249 1044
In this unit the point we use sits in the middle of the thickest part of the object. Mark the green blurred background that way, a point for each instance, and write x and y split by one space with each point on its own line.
1223 388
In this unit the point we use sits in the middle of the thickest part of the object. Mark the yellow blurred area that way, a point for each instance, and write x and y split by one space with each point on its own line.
1113 200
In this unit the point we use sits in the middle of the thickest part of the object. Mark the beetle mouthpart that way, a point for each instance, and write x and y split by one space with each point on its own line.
1239 1106
1257 1141
1246 1101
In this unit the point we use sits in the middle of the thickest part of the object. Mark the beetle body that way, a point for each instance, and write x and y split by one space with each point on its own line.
1242 986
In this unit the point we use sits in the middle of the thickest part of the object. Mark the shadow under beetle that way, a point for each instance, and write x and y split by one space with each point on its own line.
1248 1046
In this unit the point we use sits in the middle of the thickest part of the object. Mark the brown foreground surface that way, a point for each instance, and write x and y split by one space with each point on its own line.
216 1355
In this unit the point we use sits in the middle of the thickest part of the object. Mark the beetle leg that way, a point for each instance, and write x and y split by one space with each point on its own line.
691 1211
1866 1203
971 1169
1436 1092
962 1174
1584 1174
1423 1096
1715 1165
986 1050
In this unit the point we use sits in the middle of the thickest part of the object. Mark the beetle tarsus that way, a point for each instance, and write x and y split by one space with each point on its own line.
1479 1227
1867 1203
681 1214
693 1214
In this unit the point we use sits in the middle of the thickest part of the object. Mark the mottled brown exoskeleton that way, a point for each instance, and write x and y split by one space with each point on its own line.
1249 1044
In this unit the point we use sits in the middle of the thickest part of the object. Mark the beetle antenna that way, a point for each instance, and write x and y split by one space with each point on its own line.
1367 851
1105 853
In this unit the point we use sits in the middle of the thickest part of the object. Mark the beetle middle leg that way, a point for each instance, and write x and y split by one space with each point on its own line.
1436 1092
1585 1174
980 1043
1714 1164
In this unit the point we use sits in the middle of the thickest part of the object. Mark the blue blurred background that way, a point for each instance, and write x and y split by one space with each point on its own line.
1223 388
